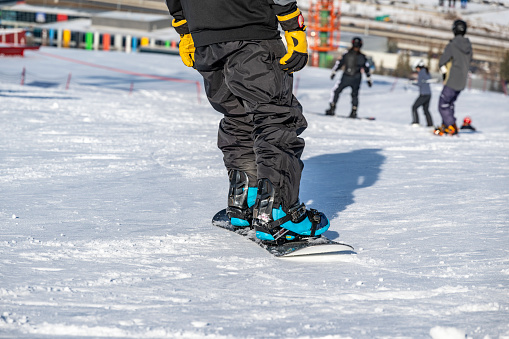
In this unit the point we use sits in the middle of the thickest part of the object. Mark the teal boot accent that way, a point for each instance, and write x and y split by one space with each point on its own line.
312 223
251 198
241 199
275 225
305 226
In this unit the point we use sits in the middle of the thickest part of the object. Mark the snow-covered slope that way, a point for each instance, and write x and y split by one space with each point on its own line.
106 199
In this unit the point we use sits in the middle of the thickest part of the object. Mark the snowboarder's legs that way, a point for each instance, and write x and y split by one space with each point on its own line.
336 91
356 84
243 80
425 107
236 142
278 150
415 115
346 81
422 100
446 105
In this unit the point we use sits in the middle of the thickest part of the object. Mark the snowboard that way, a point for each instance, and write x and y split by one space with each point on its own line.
467 129
463 130
358 118
343 116
308 246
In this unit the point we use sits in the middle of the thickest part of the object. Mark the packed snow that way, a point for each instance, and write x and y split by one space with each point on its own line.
107 190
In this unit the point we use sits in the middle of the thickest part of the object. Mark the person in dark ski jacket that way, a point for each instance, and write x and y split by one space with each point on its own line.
454 64
423 81
353 63
247 71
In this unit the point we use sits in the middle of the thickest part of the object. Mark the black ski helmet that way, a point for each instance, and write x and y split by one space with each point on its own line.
357 42
459 27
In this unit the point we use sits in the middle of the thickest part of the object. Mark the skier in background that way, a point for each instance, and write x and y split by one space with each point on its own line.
353 62
423 81
454 65
236 46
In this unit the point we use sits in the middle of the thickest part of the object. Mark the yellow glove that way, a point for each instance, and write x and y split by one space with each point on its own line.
186 50
297 56
186 45
297 47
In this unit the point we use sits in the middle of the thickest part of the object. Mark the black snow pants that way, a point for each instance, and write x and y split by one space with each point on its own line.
422 100
353 81
259 133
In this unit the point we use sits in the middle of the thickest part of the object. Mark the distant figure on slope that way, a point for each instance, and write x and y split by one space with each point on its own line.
353 62
423 80
467 125
454 65
248 74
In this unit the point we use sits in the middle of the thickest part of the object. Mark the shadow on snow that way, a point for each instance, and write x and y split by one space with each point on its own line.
330 180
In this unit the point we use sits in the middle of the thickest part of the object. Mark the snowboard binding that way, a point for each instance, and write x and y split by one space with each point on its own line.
446 130
276 226
273 231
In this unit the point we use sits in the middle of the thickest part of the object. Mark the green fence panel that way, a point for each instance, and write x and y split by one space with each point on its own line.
89 41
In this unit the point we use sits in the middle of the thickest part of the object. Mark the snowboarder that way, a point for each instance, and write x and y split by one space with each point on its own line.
353 62
423 81
247 71
454 65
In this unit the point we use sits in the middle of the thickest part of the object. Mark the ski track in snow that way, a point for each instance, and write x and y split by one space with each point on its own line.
106 200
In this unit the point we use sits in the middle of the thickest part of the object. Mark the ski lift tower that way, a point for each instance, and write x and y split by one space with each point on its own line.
324 26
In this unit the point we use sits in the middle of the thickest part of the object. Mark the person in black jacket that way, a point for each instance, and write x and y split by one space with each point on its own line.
236 46
353 62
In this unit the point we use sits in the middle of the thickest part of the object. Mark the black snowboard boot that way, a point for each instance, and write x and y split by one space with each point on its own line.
241 198
331 110
275 225
353 114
